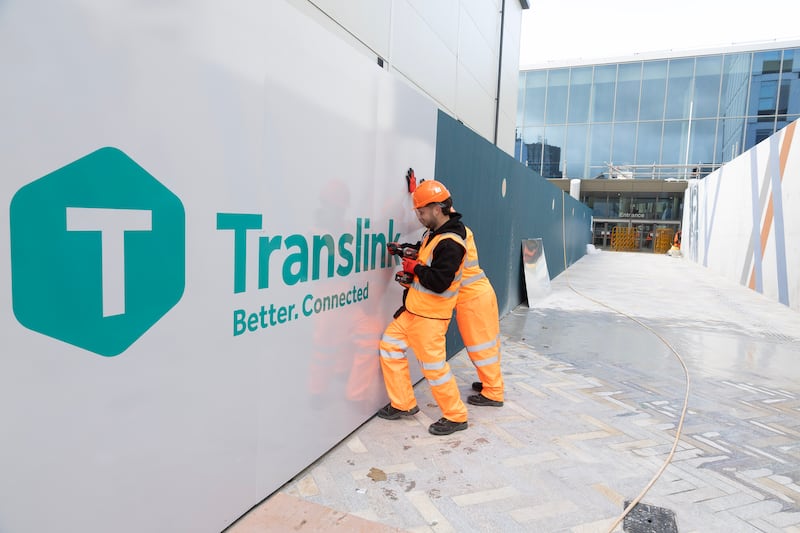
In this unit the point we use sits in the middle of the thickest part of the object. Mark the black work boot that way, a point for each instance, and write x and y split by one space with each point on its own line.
445 427
392 413
477 386
480 399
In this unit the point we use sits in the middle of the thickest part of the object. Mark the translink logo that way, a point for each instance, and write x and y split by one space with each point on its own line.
97 252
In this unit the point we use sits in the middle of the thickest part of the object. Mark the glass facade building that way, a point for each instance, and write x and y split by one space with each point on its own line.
681 117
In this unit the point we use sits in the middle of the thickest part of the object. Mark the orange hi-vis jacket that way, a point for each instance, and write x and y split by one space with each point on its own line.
425 302
473 280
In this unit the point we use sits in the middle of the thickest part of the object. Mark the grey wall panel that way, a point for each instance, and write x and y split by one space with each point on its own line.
474 171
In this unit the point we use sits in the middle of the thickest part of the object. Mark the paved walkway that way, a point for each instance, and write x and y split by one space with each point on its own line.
592 404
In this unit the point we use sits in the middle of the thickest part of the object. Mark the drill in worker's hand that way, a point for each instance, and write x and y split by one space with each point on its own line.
409 255
403 250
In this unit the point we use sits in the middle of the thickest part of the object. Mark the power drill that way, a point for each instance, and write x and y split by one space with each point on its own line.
403 277
403 250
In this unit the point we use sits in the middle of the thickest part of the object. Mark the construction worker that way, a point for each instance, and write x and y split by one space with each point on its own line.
479 324
421 323
478 321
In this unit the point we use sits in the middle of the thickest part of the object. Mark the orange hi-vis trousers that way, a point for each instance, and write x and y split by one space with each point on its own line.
426 336
479 325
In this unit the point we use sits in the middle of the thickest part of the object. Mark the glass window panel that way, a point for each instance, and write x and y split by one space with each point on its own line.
552 150
664 207
784 90
521 98
643 204
648 145
603 93
758 129
785 121
764 84
730 134
764 98
535 87
702 142
789 63
673 150
532 134
580 89
557 84
601 209
623 205
789 96
532 147
629 81
654 88
792 55
707 78
670 208
614 207
575 164
599 148
735 82
679 87
624 143
767 62
519 146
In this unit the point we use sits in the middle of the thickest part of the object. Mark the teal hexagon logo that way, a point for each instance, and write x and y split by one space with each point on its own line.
98 252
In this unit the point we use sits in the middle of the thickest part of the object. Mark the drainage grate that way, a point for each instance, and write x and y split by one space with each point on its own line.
649 519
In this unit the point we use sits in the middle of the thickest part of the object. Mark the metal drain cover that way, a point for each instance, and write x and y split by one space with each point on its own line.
649 519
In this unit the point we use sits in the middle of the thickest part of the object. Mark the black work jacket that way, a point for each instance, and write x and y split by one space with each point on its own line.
445 261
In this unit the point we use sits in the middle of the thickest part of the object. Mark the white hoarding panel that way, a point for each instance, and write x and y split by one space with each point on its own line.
198 199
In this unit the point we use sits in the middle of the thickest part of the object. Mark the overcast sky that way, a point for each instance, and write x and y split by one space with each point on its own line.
592 29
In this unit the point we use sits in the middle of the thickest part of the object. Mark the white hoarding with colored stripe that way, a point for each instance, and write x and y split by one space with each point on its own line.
740 220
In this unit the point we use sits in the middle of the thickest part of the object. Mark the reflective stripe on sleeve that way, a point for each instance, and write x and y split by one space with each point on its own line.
446 294
473 279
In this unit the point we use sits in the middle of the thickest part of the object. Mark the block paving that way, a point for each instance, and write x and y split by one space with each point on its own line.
594 396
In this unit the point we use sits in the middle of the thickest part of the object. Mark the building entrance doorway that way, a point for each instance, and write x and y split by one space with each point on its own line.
602 233
642 235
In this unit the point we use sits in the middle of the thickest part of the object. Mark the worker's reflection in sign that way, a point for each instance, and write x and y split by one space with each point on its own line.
343 368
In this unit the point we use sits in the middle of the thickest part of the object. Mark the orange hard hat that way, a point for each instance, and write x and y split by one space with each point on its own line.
428 192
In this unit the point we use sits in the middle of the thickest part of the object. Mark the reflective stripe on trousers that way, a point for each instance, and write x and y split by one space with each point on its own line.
479 325
426 336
